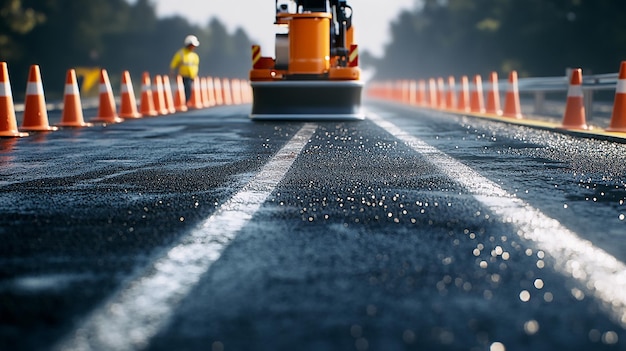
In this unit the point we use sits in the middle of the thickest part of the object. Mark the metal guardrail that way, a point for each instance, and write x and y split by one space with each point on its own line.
592 82
539 86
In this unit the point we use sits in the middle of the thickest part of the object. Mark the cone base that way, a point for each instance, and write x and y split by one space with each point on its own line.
517 116
10 134
616 130
494 112
195 107
40 129
575 127
74 125
107 120
131 115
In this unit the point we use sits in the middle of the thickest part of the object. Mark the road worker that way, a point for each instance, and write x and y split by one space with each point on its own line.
185 63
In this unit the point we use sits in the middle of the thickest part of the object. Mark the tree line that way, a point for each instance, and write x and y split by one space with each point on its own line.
534 37
436 38
112 34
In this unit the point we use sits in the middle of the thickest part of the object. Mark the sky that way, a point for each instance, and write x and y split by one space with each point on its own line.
371 18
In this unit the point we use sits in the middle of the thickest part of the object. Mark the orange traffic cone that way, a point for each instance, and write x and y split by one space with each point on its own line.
228 95
147 101
403 91
412 93
72 107
477 100
180 100
128 104
398 84
493 96
169 98
204 92
195 101
8 121
450 96
441 94
106 111
574 116
35 113
158 95
247 97
512 107
618 118
421 93
463 103
432 93
219 95
211 90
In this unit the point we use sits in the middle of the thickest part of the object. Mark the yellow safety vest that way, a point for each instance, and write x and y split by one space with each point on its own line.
187 63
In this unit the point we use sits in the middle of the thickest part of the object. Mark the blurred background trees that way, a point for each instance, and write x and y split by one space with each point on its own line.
436 38
534 37
112 34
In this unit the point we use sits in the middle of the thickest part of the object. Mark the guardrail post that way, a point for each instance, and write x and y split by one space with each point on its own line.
540 98
588 102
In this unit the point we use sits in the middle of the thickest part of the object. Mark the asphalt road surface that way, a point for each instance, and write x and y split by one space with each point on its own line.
411 230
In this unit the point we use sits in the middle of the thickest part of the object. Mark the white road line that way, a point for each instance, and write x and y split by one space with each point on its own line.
138 312
603 275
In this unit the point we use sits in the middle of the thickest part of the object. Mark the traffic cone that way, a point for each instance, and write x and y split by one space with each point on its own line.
403 94
106 110
618 118
128 104
574 116
169 98
72 107
195 101
463 103
441 94
493 96
512 107
412 92
396 97
228 96
219 95
158 95
8 121
180 100
247 93
397 91
432 93
421 93
35 113
477 100
450 96
211 90
205 92
147 101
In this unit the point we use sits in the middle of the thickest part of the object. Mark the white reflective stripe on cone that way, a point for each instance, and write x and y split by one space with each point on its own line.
5 89
575 91
621 86
71 89
34 88
105 88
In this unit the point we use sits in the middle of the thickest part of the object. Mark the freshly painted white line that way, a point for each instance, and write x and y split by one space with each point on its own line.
601 274
136 314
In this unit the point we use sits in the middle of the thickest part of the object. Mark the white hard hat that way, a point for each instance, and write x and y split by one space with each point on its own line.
192 40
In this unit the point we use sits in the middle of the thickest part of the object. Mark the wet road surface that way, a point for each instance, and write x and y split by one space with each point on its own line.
411 230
